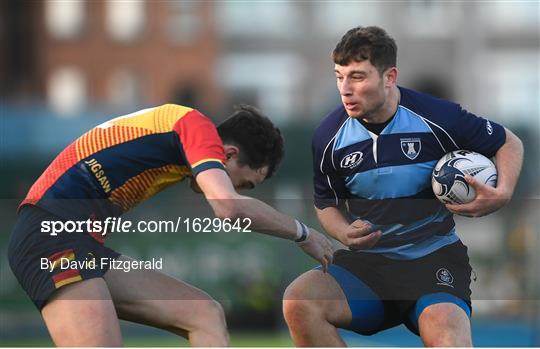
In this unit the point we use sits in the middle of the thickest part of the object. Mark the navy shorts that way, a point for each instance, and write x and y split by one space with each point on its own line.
383 292
71 256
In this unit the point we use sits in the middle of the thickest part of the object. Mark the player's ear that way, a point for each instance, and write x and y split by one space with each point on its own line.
231 151
390 76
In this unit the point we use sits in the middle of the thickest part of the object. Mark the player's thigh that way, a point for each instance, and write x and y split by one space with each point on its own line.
83 314
154 298
317 292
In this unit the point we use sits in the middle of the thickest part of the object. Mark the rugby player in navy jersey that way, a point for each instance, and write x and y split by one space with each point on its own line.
373 157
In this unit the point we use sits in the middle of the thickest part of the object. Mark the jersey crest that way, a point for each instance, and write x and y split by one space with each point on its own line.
411 147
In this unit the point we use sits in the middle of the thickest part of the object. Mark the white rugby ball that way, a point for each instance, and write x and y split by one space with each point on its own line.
448 178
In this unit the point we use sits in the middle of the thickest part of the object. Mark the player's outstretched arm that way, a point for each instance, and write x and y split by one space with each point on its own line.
508 161
355 235
227 203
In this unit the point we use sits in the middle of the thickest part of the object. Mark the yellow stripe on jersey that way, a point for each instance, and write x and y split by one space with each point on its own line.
158 120
128 127
147 184
206 160
67 281
66 277
100 138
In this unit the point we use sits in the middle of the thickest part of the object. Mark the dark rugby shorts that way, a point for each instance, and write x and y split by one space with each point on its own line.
384 292
30 249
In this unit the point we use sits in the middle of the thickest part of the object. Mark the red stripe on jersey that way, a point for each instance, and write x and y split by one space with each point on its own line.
66 277
65 274
199 138
63 162
60 254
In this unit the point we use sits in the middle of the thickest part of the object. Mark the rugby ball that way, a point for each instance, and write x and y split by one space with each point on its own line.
448 178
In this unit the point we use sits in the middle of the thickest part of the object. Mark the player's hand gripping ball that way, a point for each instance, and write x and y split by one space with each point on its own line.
448 178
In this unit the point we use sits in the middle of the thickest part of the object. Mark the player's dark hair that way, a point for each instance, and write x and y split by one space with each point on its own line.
259 141
371 43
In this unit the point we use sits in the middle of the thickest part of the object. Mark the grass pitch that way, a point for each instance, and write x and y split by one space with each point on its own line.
241 339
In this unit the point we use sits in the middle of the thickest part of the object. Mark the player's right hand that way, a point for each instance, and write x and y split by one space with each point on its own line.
319 247
360 235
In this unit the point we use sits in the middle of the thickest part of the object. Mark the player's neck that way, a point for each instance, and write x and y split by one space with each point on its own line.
387 110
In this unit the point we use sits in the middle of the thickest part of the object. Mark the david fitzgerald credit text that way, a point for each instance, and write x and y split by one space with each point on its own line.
101 263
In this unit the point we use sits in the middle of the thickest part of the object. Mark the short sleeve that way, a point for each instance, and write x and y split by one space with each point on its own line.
475 133
200 141
328 187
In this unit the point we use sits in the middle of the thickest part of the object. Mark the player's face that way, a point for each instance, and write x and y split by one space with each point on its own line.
244 177
361 88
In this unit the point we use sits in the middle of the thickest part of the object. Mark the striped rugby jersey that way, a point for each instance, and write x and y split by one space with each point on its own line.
122 162
386 179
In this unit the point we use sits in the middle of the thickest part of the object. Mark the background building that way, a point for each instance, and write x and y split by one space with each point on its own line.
110 53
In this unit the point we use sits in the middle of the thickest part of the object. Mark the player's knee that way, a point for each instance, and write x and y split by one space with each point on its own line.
206 326
211 314
297 307
208 317
445 325
297 311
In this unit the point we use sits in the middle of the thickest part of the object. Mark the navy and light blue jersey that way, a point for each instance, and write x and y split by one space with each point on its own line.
386 179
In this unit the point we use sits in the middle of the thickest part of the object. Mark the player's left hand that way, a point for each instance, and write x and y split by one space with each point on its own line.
487 200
